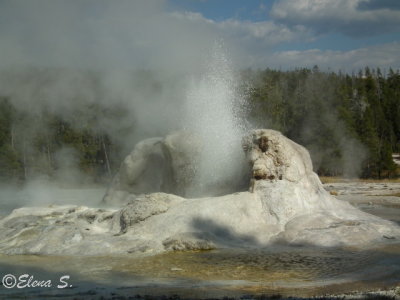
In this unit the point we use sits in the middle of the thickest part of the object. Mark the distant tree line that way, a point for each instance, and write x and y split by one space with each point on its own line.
350 124
27 150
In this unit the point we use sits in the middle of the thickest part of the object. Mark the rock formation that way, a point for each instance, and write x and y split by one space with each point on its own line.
285 203
166 165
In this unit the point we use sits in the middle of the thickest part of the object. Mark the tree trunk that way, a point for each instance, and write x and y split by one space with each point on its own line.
12 137
24 160
106 156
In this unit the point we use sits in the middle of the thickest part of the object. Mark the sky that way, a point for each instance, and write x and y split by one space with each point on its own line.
176 34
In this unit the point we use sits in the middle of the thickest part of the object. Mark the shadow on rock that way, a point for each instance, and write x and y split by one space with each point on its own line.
221 234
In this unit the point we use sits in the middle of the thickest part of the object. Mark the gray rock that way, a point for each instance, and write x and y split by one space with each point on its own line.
155 165
143 207
189 241
168 165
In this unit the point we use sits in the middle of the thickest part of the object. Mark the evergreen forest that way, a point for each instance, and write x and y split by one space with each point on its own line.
350 123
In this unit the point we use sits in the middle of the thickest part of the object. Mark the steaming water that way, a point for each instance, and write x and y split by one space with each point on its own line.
213 111
44 193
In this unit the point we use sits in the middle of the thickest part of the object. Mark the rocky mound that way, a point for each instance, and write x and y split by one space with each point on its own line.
285 203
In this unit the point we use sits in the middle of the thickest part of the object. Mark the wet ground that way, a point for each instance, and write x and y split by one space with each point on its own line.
286 271
377 198
283 270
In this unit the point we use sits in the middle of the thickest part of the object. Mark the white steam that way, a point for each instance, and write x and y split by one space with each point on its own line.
213 112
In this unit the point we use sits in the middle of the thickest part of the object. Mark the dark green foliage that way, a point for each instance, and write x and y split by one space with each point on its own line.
30 144
350 124
10 165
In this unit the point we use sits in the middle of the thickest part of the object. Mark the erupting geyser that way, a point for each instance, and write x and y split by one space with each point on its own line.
213 184
214 114
286 204
205 158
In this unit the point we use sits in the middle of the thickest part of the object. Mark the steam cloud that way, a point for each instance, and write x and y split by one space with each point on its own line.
135 58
